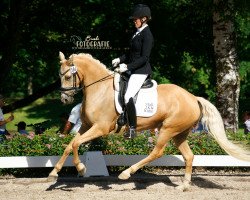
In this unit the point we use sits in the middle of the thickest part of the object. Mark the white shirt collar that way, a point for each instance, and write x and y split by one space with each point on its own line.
140 29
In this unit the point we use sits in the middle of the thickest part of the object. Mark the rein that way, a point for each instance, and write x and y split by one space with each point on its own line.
75 74
102 79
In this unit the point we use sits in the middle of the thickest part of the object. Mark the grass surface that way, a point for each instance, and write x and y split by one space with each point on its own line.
40 110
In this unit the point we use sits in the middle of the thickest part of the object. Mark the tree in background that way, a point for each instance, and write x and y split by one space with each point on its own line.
228 81
11 17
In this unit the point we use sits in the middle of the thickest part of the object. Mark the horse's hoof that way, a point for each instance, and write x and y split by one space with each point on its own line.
183 187
52 178
81 169
81 173
124 175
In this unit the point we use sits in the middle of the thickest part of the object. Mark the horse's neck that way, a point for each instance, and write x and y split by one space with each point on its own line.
98 91
93 72
97 98
98 87
97 81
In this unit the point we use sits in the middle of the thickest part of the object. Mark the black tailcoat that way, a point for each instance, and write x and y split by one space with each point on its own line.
137 59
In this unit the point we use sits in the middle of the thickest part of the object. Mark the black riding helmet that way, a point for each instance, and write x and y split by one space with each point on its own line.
140 11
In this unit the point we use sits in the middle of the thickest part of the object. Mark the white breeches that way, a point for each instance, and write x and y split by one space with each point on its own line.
134 85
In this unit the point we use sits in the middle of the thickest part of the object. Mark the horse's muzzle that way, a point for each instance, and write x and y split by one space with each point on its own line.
66 98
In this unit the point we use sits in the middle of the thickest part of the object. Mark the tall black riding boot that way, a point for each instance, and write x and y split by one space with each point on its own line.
131 116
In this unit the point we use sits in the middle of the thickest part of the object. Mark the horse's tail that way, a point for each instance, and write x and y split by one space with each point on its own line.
215 127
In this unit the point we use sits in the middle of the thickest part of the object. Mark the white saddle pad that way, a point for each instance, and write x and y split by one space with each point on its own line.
146 103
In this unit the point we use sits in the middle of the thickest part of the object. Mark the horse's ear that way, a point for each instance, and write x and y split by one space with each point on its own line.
61 56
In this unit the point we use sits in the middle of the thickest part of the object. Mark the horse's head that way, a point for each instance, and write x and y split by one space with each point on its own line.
70 79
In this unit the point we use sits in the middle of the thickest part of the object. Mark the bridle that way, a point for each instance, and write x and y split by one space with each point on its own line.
75 74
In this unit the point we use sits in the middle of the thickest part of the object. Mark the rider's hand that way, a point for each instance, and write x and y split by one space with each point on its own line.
115 62
122 68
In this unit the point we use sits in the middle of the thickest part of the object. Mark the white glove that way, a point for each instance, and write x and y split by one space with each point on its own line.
122 68
116 62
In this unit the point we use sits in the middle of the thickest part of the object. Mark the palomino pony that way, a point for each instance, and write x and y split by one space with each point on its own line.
177 112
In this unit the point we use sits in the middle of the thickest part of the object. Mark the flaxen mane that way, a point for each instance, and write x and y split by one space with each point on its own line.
89 57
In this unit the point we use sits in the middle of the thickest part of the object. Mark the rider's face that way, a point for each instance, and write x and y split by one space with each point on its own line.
137 22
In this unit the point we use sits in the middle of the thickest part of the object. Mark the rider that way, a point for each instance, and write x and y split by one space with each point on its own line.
136 62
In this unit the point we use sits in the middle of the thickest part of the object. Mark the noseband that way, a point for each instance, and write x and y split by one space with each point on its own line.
75 75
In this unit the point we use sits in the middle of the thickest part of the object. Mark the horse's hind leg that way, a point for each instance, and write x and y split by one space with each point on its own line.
156 153
181 143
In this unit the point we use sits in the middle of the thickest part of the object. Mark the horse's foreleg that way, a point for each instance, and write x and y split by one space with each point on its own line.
156 153
54 173
188 156
91 134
